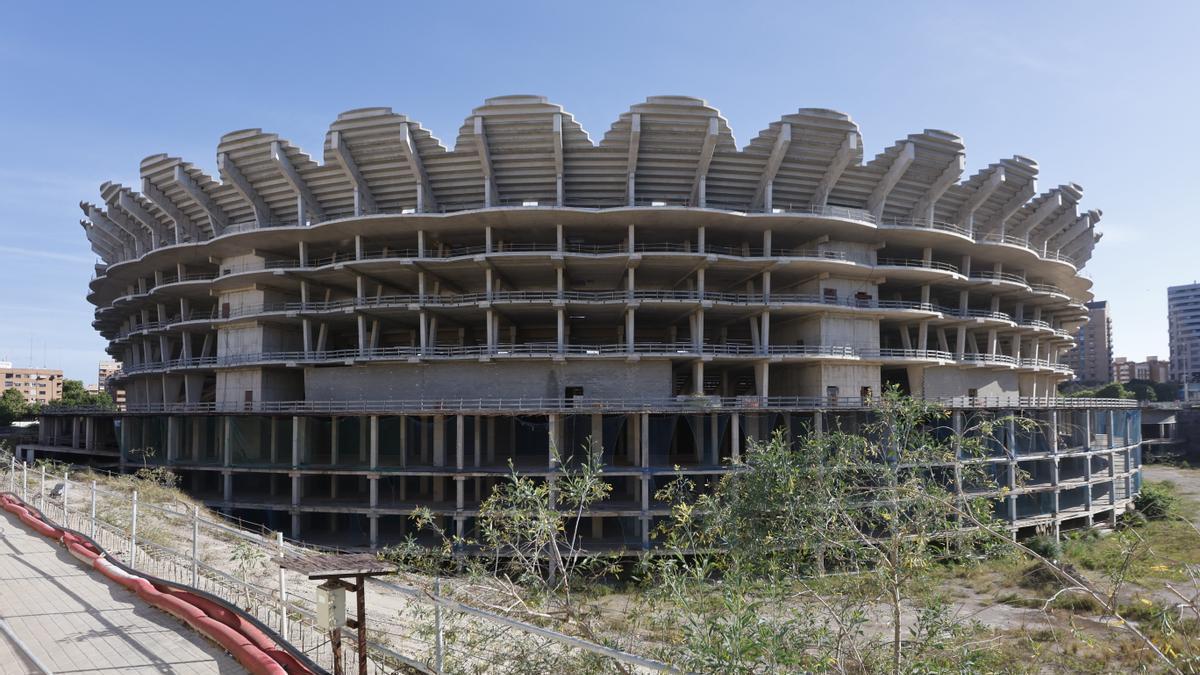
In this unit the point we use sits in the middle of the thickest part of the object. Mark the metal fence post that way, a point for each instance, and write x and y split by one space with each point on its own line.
65 497
24 482
439 644
12 475
283 614
195 545
93 509
42 490
133 532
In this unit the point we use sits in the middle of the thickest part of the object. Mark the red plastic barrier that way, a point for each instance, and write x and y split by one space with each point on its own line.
225 616
253 648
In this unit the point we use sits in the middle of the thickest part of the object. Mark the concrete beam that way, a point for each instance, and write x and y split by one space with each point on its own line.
306 201
1079 241
216 215
1060 223
834 171
1014 204
878 198
485 161
101 246
179 221
425 199
117 236
762 195
128 204
1041 213
699 183
966 214
101 219
923 210
109 239
230 172
1082 223
145 235
364 201
635 140
558 159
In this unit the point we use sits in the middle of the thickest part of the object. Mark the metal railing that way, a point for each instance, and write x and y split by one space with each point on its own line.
173 541
999 276
913 262
927 224
528 349
576 404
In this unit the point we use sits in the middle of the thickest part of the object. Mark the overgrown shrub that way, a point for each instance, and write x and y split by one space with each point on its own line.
1157 501
1045 546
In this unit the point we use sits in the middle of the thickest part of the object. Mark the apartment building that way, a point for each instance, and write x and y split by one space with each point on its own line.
1183 326
39 385
107 381
1151 369
1092 356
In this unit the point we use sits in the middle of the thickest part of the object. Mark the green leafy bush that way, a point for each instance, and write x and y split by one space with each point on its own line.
1156 501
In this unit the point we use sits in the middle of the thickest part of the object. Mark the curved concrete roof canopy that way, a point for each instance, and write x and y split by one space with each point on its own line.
524 151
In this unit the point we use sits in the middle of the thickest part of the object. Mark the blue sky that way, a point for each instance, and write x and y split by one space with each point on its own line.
1104 94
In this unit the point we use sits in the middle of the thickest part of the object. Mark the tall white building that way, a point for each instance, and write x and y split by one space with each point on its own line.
1183 324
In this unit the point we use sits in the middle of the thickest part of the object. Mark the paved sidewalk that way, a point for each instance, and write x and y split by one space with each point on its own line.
75 621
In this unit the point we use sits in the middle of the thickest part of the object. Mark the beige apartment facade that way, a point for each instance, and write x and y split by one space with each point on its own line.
1152 369
106 377
38 385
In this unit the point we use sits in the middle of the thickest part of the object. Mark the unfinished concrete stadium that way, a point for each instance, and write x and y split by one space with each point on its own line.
324 347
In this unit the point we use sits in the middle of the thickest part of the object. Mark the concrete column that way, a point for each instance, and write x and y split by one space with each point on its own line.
562 329
475 445
172 438
491 441
439 440
227 449
460 438
403 441
374 434
629 330
643 453
334 448
1112 429
89 435
297 441
735 437
554 439
761 378
227 485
